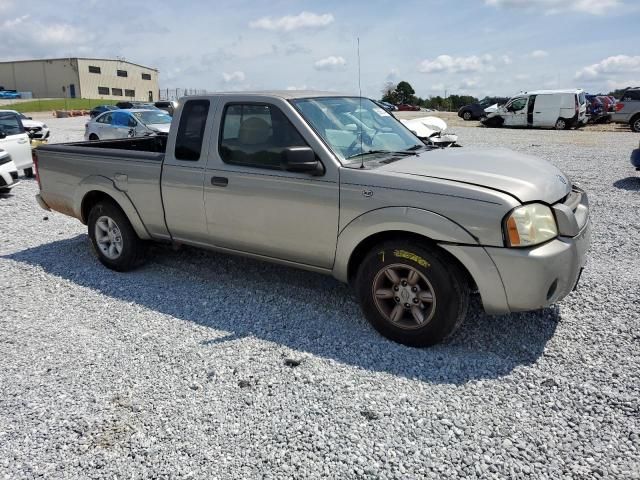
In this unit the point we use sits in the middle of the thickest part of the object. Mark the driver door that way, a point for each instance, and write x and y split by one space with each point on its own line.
254 206
516 112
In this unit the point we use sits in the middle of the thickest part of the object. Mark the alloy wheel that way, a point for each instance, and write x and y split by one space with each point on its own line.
404 296
108 237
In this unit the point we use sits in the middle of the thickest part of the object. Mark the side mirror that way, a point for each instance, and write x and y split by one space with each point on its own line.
29 118
301 159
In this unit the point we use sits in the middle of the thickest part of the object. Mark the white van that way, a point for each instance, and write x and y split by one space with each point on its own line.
15 140
559 109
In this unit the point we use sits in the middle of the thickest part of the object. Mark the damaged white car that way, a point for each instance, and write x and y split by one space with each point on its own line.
432 131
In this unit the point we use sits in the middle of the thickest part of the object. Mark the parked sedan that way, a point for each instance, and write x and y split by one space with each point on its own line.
168 106
475 111
95 111
127 123
405 107
34 128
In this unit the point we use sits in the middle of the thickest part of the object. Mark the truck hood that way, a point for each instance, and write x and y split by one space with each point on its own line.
525 177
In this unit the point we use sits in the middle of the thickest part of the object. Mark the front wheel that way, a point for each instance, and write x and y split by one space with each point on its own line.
412 294
28 172
635 124
466 116
93 137
114 239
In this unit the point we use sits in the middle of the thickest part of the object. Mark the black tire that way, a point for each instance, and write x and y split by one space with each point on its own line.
132 248
450 292
561 124
467 116
93 136
635 124
28 172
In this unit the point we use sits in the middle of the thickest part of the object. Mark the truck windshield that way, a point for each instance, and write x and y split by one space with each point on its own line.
153 117
354 127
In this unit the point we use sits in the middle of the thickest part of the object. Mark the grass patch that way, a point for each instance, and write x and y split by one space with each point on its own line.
57 104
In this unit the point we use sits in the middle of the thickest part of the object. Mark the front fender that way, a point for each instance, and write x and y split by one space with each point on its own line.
404 219
105 185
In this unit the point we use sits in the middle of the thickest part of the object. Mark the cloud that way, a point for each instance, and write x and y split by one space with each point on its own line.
330 63
550 7
469 83
289 23
449 64
236 76
539 54
610 66
506 59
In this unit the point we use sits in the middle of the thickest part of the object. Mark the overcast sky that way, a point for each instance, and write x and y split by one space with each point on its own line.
478 47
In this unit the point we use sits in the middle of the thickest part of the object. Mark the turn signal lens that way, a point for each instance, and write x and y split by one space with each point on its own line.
530 225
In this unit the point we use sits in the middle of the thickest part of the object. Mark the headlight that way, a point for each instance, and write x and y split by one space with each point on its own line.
530 225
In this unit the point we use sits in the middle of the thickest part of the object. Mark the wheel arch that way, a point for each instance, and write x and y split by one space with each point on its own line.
96 189
633 119
371 228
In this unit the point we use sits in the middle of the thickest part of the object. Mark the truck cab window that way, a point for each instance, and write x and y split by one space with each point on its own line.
191 130
256 135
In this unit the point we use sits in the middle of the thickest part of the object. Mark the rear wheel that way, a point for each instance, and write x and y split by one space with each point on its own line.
412 294
28 172
635 124
93 136
561 124
467 116
114 239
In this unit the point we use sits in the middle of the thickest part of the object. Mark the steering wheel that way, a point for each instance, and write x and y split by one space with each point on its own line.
361 138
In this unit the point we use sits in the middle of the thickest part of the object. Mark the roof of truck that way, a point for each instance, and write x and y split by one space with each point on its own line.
286 94
548 92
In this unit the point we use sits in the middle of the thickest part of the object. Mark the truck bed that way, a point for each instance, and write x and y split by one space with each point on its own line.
131 167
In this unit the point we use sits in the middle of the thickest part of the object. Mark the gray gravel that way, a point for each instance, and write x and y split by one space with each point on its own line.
202 365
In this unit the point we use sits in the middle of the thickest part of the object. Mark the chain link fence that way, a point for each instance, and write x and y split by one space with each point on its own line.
176 93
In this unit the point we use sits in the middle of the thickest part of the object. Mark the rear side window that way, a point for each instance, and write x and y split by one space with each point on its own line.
122 119
193 120
10 124
256 135
631 95
106 118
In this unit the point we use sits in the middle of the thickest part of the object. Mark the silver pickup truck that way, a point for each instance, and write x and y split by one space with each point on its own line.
337 185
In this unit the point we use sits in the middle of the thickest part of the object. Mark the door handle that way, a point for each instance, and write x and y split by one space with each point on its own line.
22 141
219 181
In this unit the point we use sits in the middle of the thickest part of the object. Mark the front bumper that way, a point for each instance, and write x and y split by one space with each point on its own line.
536 277
520 279
8 180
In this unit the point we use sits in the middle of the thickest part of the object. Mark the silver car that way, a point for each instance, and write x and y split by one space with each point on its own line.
127 123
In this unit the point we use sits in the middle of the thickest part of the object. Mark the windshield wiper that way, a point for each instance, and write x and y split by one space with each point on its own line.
391 152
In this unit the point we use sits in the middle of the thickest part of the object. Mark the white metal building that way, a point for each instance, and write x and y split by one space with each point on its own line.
81 78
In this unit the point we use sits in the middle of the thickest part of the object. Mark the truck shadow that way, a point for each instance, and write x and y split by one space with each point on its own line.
299 310
630 183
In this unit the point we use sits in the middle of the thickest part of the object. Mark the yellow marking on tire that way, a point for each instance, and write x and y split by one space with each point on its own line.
413 257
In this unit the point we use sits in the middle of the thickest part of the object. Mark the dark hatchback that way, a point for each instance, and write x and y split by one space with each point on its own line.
95 111
475 111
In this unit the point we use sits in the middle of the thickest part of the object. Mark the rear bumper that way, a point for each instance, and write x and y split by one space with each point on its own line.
42 203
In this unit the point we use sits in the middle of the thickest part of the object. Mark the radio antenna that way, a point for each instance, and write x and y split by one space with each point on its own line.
360 109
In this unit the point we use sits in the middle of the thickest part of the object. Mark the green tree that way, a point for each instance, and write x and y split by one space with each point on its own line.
403 92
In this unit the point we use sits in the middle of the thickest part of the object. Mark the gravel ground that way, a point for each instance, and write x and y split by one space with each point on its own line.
201 365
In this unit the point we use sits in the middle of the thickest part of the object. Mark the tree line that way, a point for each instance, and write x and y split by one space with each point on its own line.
403 93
